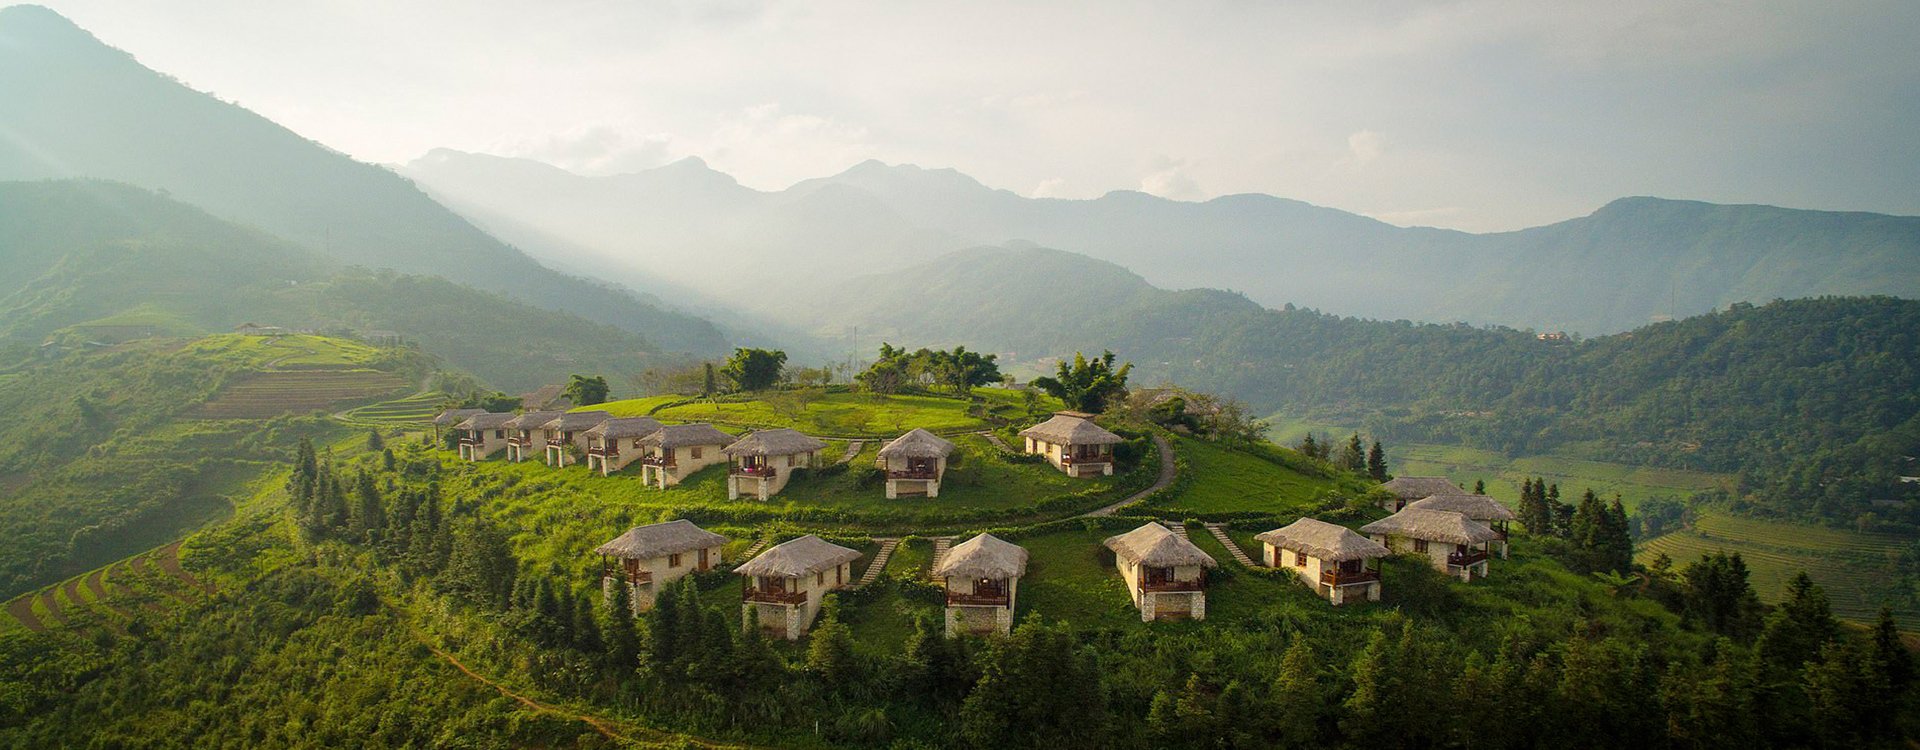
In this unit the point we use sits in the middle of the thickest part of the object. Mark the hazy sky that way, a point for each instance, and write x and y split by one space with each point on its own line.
1480 115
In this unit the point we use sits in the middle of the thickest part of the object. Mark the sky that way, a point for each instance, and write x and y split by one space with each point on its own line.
1482 115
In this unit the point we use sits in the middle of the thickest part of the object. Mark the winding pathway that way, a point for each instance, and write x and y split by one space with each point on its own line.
1168 471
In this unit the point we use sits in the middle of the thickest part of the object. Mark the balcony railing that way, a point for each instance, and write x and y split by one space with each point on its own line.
1160 586
1070 460
771 596
913 474
520 442
989 600
1345 578
657 461
764 472
644 576
604 452
554 442
1464 559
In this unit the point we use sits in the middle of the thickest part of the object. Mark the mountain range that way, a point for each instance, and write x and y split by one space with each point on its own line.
1634 261
71 106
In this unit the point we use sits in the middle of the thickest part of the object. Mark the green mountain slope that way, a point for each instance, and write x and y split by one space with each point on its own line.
74 107
1795 394
105 262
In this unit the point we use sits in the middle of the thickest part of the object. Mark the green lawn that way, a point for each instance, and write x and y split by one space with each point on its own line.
1067 580
1503 475
979 480
911 558
835 414
633 407
1227 481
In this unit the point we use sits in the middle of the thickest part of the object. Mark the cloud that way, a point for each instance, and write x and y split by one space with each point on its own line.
1052 187
1366 146
598 149
1172 180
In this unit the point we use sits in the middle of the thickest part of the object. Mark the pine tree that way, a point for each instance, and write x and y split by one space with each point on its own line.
1298 697
369 514
1377 462
923 665
1562 513
1588 533
708 384
1720 595
1535 514
663 627
1619 546
480 566
623 641
1799 628
830 652
1309 447
1711 706
1353 456
586 630
553 621
1479 486
1890 653
374 441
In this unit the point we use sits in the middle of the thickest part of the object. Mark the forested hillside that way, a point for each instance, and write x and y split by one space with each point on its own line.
74 107
96 261
1813 401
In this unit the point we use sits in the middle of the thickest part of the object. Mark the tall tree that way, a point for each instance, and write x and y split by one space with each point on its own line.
583 390
1087 385
1036 690
1796 630
623 642
1298 698
754 369
1353 455
1720 596
1377 462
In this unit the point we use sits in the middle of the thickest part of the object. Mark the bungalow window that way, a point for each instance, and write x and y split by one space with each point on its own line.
673 561
820 578
497 434
1420 545
1299 559
695 452
790 460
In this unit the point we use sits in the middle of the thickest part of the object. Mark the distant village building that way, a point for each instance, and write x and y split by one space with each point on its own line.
614 443
451 417
982 579
647 558
524 435
676 451
1166 575
483 435
1409 489
785 584
1073 444
1486 510
763 461
1552 336
566 435
251 329
1329 558
381 338
1453 543
546 398
914 463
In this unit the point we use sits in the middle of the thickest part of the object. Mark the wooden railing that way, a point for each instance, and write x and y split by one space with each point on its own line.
1461 560
657 461
604 452
520 442
770 596
1159 586
992 600
752 471
913 474
1335 577
1070 459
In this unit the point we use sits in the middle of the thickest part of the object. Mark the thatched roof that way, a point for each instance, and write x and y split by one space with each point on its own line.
799 557
485 421
625 427
1324 540
984 556
1435 525
531 420
455 416
575 421
917 444
1476 507
1152 544
778 442
545 397
1414 488
1071 428
660 540
679 435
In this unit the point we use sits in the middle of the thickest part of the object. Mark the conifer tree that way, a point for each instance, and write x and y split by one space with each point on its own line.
1720 595
1619 537
369 514
1298 697
1535 514
1797 630
1890 653
374 441
830 651
1309 447
586 630
1479 486
623 641
1353 457
1562 512
1377 462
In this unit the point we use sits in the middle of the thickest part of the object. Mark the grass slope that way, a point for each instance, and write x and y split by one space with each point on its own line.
1854 567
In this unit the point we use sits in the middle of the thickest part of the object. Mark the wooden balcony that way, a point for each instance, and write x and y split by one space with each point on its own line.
763 472
604 452
554 442
1155 587
770 596
1072 460
982 600
665 463
917 474
521 442
1334 577
1461 560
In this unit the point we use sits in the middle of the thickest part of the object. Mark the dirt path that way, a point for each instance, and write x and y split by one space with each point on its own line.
22 610
606 728
1168 471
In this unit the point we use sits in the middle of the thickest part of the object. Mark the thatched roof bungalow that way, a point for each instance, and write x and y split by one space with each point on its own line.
915 463
982 579
616 442
1330 558
1452 542
785 583
520 433
1073 443
482 434
1166 575
566 434
1408 489
649 557
676 451
764 461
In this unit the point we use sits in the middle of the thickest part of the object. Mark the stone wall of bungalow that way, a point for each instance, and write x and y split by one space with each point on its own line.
768 478
909 477
1314 572
1155 605
666 467
646 577
1061 457
1441 554
477 445
625 451
789 613
973 610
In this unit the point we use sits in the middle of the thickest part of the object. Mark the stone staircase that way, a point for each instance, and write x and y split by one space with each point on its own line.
1178 529
994 438
887 546
1219 531
853 450
755 549
940 546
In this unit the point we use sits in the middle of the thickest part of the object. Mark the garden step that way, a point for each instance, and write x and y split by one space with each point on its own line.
1219 531
940 546
995 440
879 561
1179 530
853 450
755 549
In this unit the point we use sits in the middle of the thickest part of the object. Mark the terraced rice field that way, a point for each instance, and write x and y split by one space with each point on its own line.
153 582
418 407
1852 566
270 394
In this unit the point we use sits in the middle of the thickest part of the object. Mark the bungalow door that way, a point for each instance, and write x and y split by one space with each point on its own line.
993 587
703 560
1157 576
920 466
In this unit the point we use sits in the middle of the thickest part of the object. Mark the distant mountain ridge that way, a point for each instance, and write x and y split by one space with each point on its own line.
70 106
1633 261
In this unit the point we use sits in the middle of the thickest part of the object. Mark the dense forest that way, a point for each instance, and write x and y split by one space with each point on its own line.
1811 401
